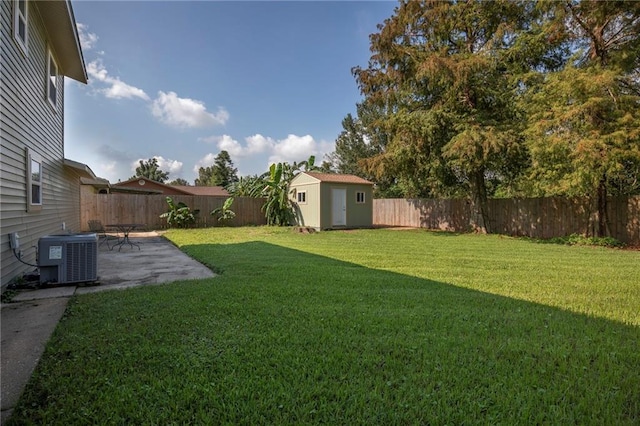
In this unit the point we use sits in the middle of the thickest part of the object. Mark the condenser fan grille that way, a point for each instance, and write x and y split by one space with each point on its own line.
81 262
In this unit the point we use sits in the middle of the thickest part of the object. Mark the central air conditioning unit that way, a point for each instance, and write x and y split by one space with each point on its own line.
66 259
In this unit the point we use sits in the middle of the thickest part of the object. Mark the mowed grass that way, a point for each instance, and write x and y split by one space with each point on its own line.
354 327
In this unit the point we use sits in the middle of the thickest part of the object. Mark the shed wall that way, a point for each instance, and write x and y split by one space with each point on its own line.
307 214
358 215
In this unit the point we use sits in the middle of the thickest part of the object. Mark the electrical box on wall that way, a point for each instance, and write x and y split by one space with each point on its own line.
14 241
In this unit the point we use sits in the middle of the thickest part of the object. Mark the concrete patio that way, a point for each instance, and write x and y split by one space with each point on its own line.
32 315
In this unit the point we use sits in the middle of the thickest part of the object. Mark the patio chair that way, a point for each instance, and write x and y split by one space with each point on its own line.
103 237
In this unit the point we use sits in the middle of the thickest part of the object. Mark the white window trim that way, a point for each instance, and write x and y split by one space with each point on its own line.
298 193
33 157
364 197
50 59
17 17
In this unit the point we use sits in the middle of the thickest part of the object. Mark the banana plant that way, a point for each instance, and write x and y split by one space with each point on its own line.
179 215
224 213
277 208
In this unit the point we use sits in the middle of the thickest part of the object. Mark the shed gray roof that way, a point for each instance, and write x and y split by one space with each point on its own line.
338 178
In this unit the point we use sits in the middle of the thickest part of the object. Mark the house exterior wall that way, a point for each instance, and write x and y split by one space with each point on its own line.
29 121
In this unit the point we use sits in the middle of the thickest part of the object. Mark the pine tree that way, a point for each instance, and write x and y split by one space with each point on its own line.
221 173
151 170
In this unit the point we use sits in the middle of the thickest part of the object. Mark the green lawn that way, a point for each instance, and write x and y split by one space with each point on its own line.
355 327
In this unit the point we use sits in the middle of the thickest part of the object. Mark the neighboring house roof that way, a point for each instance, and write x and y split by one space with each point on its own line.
148 186
216 191
338 178
62 33
126 190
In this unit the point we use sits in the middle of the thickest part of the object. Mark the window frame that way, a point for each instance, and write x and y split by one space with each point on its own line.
364 197
32 158
19 17
51 59
304 196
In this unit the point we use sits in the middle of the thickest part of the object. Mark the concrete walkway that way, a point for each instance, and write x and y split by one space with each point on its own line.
31 317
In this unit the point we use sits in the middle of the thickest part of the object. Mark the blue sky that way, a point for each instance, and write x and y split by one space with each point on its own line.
183 80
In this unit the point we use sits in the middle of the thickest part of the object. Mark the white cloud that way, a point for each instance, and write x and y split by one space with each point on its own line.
120 89
96 70
254 144
258 143
232 146
185 112
87 40
117 88
174 167
293 148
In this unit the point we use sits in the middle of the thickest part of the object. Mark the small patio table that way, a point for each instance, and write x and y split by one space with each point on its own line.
126 229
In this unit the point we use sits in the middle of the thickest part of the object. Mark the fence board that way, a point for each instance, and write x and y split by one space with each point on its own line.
146 209
534 217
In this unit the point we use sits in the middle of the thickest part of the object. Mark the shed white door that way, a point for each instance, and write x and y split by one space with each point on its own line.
338 207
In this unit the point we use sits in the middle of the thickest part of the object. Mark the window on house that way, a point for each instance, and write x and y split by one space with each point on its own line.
302 197
34 181
52 80
20 28
359 197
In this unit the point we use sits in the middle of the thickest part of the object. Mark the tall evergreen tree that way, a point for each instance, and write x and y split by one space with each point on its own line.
352 146
437 71
584 125
151 170
221 173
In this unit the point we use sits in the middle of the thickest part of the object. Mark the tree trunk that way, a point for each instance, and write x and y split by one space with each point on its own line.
480 204
603 220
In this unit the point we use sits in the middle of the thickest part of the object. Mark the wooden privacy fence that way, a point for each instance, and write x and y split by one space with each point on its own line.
146 209
532 217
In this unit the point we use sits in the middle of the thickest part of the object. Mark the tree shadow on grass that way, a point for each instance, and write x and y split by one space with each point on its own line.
288 337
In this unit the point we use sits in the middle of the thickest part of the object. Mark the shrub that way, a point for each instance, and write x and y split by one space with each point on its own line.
580 240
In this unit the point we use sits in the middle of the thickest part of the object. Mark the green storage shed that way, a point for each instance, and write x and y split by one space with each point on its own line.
332 201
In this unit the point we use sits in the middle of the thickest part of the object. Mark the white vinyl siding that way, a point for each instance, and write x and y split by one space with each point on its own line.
20 23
